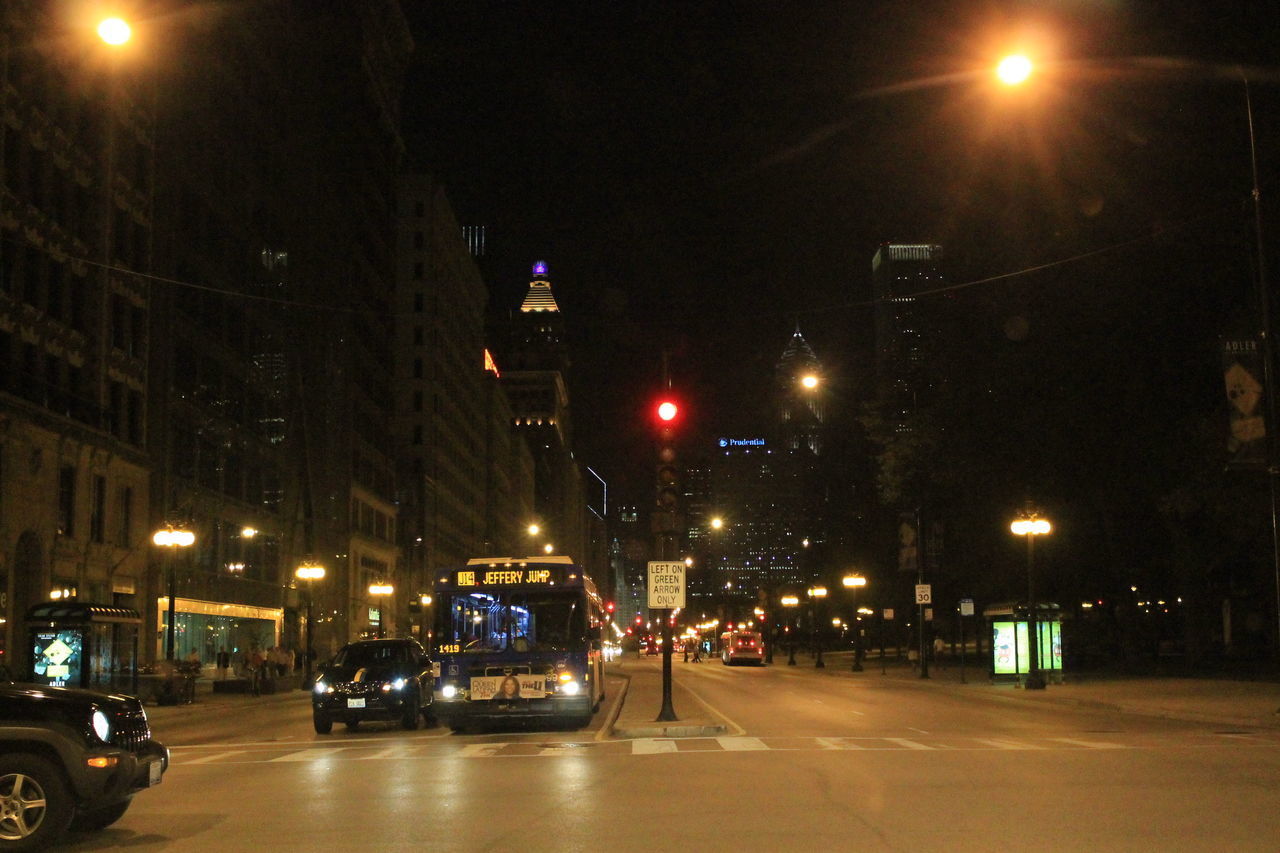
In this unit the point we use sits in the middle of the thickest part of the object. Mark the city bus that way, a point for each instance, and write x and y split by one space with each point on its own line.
742 647
517 638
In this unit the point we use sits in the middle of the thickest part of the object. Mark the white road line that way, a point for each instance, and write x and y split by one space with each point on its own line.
837 743
389 752
1090 744
740 744
651 746
306 754
1004 743
907 744
917 731
211 757
480 750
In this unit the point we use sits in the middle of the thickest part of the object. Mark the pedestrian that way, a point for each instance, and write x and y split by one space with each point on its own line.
282 660
291 661
257 670
223 662
938 646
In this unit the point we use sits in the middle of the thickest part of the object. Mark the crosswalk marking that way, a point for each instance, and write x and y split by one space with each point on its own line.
1005 743
735 744
1088 744
908 744
213 756
651 746
838 743
306 754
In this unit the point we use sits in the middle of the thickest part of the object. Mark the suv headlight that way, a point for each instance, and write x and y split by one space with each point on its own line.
321 687
101 726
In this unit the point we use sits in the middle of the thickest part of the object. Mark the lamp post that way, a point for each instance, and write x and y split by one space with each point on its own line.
381 591
169 537
310 571
790 601
1031 526
816 594
424 605
853 583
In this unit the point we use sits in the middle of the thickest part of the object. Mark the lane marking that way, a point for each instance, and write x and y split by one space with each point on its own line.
917 731
480 750
740 744
651 746
389 752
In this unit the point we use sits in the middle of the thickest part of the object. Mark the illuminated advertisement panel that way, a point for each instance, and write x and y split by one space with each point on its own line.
1009 652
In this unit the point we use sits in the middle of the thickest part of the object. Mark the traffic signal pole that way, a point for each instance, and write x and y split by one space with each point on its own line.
666 521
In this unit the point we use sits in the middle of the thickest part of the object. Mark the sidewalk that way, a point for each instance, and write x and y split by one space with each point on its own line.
642 701
207 701
1207 700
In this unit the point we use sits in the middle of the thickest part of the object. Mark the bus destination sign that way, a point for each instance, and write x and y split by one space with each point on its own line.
506 576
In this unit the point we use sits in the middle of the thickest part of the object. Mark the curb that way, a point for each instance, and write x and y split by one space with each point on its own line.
669 730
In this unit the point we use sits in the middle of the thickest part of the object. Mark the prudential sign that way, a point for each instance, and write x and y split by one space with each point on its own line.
741 442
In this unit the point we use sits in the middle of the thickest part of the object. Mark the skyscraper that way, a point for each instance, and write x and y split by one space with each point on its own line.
899 274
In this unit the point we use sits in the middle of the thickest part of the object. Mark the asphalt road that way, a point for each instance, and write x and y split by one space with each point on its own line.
823 762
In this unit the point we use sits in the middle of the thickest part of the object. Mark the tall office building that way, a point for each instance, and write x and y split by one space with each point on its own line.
899 274
466 488
535 365
76 219
764 488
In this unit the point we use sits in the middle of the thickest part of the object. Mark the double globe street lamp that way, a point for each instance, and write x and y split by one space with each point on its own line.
853 583
1031 526
310 571
169 537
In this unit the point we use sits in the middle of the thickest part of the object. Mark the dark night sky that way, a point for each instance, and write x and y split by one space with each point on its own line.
701 175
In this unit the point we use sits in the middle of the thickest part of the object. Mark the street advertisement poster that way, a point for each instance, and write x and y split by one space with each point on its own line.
58 657
1242 373
505 687
1010 654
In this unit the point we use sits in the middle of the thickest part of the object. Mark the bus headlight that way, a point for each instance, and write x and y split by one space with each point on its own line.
449 691
570 688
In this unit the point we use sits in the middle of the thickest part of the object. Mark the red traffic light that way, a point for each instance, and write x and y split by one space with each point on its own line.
667 411
608 606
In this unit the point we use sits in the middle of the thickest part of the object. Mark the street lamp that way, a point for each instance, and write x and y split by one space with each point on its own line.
816 594
169 537
1031 526
853 583
381 591
114 31
791 601
1014 70
310 571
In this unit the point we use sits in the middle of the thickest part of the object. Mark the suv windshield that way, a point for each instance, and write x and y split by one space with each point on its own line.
515 620
379 654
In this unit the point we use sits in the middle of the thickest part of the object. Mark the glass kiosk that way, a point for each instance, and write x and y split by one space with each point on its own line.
1010 656
75 644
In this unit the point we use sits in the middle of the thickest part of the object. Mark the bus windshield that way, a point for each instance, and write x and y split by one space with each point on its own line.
515 620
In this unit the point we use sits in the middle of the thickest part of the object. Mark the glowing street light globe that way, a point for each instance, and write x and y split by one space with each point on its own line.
667 410
114 31
1014 70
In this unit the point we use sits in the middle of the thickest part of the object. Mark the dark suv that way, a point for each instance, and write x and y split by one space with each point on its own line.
69 757
374 680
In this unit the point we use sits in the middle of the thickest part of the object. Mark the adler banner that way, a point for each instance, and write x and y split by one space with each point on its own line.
1243 374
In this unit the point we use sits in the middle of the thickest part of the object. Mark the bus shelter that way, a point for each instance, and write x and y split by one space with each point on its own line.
1010 652
76 644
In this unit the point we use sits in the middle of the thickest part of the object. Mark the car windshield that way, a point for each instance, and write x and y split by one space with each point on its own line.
380 654
516 620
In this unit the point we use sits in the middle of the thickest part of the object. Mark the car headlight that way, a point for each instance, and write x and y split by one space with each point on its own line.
398 684
101 726
321 687
449 691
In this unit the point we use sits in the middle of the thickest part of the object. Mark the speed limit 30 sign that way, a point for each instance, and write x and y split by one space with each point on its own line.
924 593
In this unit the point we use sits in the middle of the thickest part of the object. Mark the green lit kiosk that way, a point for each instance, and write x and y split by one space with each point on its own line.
77 644
1010 657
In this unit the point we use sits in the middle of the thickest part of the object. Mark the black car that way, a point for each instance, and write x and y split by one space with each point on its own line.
374 680
70 758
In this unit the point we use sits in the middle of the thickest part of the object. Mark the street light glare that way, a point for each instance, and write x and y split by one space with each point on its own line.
809 381
114 31
1014 70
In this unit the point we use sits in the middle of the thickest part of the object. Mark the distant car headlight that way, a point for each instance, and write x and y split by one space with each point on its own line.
321 687
398 684
101 726
570 688
449 691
